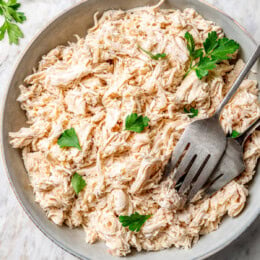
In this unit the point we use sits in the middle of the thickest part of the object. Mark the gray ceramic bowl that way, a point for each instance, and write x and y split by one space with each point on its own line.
76 21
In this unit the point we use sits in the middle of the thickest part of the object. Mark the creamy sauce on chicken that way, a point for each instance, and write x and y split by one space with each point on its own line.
92 85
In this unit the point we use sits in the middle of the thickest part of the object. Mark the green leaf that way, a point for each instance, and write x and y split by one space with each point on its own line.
192 112
69 138
224 49
136 123
134 222
19 17
215 50
205 64
13 4
9 11
211 42
234 134
158 56
197 53
78 183
153 56
190 42
3 29
194 54
14 33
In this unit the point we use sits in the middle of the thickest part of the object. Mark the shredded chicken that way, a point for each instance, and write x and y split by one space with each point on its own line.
92 85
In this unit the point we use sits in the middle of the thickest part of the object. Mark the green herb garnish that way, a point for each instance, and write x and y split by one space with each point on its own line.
234 134
215 50
193 112
69 139
11 16
153 56
134 222
78 183
136 123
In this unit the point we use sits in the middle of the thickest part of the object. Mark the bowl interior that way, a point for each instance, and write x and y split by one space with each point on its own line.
76 21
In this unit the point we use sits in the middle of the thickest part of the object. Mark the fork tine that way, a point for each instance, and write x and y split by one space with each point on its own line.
176 154
202 179
185 164
221 177
167 169
195 168
216 185
178 151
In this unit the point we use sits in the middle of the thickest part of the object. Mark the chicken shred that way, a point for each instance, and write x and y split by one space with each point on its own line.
92 85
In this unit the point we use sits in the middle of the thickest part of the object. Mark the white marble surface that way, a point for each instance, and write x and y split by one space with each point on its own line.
19 238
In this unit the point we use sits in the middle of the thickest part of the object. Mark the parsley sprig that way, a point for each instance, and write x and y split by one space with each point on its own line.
78 183
234 134
11 15
136 123
192 112
69 138
156 56
134 222
214 51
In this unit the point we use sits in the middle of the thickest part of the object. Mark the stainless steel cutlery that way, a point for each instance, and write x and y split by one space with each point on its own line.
202 146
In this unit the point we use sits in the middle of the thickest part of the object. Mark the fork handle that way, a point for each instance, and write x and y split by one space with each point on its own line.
242 138
238 81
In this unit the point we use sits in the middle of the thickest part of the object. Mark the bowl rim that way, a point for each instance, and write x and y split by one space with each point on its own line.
2 154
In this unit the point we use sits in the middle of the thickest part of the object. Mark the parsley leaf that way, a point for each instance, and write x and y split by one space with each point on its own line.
190 42
3 29
69 138
9 11
14 4
204 65
193 112
214 50
134 222
136 123
158 56
14 33
224 48
194 54
211 42
78 183
197 53
153 56
234 134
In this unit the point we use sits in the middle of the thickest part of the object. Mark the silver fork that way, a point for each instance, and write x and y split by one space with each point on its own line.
202 145
231 164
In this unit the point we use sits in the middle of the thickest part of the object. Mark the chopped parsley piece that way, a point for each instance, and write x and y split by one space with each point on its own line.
191 47
192 112
136 123
153 56
134 222
78 183
9 11
214 51
69 138
234 134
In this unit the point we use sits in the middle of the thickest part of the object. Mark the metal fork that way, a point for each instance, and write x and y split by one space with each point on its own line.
231 164
202 145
